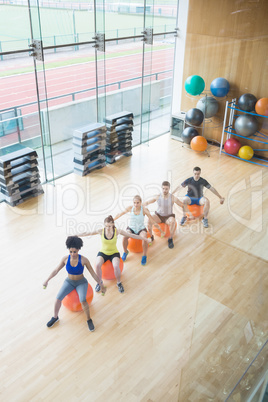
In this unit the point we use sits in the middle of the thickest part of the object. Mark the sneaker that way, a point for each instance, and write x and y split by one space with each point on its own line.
90 325
52 322
97 288
143 260
170 243
124 256
183 220
152 237
205 222
120 287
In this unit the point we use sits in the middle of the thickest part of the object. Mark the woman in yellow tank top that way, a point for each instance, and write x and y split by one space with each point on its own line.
109 249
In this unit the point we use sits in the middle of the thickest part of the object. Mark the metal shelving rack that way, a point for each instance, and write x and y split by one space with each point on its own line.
258 137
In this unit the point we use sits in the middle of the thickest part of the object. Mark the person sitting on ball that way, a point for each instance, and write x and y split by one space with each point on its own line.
75 264
136 226
109 250
195 195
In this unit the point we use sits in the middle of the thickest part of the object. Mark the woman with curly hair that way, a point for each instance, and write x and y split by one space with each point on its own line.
109 250
75 264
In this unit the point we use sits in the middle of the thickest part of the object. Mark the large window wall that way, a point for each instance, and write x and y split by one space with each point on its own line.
76 83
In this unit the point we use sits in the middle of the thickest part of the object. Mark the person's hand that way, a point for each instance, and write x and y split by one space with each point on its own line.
149 240
45 284
222 200
103 290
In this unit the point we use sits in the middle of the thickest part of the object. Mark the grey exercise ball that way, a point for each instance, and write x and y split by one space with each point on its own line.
247 102
188 134
208 105
194 117
246 125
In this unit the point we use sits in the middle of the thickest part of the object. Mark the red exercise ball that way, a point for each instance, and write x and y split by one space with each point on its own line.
199 143
108 269
196 210
72 302
261 106
164 227
232 146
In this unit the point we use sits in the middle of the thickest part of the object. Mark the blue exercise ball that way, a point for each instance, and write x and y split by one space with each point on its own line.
188 134
246 125
247 102
194 117
208 105
219 87
194 85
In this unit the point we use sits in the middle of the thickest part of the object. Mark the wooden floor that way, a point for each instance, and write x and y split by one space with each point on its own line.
188 323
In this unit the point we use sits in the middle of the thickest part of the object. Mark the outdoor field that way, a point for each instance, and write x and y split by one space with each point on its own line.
69 25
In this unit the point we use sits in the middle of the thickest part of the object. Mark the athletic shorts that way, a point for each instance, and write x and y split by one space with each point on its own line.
194 201
107 257
132 231
68 285
162 218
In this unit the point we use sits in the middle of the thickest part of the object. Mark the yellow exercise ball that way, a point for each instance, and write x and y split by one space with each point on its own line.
245 152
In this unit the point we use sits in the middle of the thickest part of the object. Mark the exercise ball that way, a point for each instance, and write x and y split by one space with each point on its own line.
208 105
194 85
246 152
108 269
196 210
194 117
135 245
247 102
72 302
246 125
219 87
261 106
188 134
164 227
232 146
199 143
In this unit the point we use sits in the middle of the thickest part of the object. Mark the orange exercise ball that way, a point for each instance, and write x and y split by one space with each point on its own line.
135 245
164 227
108 269
245 152
196 210
199 143
261 106
72 302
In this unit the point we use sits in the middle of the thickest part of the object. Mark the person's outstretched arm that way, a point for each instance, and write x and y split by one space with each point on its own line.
127 234
93 274
128 209
151 201
214 191
90 233
56 270
152 221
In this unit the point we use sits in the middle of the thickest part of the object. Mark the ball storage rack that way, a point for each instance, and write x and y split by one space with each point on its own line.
228 131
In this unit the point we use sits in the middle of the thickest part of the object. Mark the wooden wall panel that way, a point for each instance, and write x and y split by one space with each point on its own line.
226 39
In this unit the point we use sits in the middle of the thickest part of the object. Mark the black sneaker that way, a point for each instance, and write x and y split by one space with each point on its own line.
120 287
152 237
97 288
170 243
90 325
52 322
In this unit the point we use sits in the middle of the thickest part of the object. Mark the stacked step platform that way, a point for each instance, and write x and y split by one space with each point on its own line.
19 176
119 135
89 148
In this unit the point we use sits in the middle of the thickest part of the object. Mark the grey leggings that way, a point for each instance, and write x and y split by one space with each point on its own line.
69 285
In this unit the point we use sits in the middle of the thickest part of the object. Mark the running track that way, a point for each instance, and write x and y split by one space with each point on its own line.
20 89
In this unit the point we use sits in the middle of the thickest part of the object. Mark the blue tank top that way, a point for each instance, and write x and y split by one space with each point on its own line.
78 270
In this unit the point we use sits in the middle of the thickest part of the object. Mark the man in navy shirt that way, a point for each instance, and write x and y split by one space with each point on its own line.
194 195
